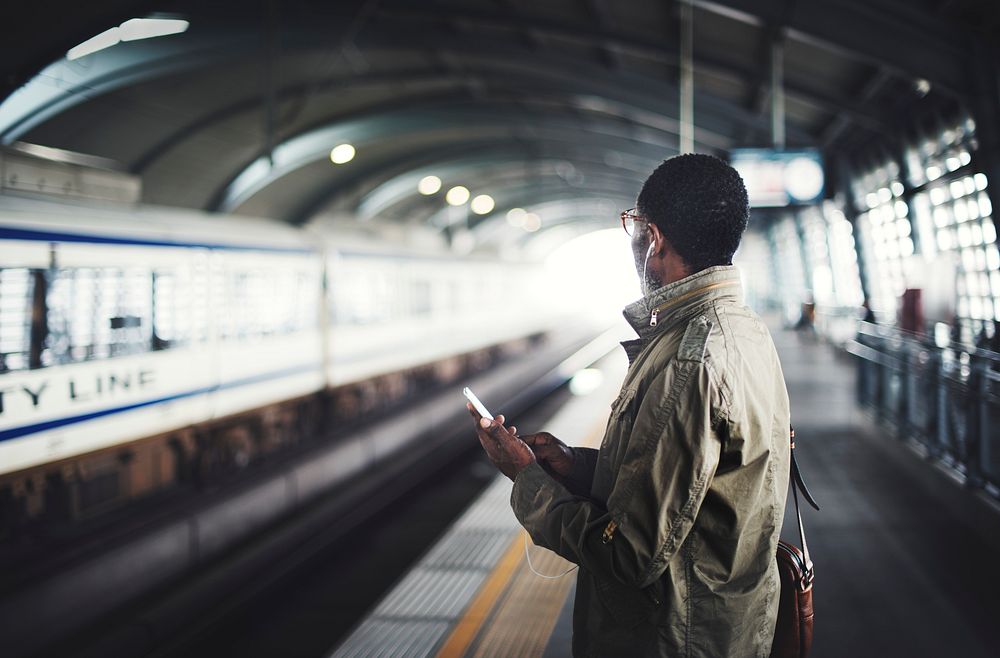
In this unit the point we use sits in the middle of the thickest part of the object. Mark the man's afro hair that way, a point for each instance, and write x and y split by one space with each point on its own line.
700 204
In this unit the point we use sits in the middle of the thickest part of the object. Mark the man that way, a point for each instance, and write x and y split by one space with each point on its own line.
675 520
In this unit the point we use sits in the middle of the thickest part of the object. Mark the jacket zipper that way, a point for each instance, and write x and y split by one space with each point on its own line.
654 316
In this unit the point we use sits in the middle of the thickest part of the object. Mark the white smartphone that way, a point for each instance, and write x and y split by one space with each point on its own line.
480 407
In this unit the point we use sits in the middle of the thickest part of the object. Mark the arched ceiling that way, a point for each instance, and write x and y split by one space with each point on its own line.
562 103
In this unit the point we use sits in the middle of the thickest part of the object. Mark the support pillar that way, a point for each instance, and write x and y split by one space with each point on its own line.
778 93
687 77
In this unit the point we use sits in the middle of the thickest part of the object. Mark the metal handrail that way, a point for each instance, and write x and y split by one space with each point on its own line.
946 398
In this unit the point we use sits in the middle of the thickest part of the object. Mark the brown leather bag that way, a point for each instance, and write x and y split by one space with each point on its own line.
793 631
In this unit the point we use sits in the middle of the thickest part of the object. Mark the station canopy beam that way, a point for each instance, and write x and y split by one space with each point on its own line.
574 102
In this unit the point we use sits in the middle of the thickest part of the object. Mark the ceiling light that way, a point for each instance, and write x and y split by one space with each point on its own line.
515 217
130 30
342 153
457 195
483 204
429 185
103 40
532 222
148 28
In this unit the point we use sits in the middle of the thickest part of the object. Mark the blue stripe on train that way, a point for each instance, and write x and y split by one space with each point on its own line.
16 432
9 233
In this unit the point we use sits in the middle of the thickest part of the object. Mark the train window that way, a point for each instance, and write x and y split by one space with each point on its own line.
98 312
420 293
304 301
246 295
16 292
339 295
387 297
336 296
293 301
179 308
201 283
455 295
364 295
268 302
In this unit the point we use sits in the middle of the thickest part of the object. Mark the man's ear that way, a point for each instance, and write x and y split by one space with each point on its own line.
656 239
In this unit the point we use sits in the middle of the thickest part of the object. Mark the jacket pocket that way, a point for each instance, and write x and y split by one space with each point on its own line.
622 416
626 605
622 406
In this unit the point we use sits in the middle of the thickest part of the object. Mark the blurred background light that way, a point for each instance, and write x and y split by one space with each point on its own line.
483 204
531 222
594 273
342 153
429 185
457 195
515 217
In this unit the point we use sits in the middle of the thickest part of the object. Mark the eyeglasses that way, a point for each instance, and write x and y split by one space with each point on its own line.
629 218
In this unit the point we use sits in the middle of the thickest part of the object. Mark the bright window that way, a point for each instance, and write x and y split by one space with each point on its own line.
886 234
954 213
98 313
789 272
266 301
16 289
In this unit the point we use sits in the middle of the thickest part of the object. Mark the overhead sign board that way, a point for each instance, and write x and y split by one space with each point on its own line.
780 178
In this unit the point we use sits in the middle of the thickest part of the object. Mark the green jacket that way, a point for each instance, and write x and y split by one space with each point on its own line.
675 520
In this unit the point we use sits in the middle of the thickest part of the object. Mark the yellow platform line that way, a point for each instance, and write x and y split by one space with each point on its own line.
468 627
521 625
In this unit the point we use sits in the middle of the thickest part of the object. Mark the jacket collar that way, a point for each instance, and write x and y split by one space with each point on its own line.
677 302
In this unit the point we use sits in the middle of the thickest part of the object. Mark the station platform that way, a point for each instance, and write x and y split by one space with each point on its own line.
904 555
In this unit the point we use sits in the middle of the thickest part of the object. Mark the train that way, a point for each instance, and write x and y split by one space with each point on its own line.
141 346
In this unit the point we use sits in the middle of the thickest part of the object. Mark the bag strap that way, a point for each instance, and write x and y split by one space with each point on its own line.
798 483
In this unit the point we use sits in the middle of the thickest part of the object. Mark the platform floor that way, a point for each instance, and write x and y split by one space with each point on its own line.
905 557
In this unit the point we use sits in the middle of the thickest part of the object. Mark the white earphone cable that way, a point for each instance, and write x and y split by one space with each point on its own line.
643 284
542 575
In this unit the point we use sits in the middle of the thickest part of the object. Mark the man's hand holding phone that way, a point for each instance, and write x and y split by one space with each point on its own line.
510 452
507 452
554 455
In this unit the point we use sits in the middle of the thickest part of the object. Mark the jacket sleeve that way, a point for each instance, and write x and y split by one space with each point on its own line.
671 455
584 463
